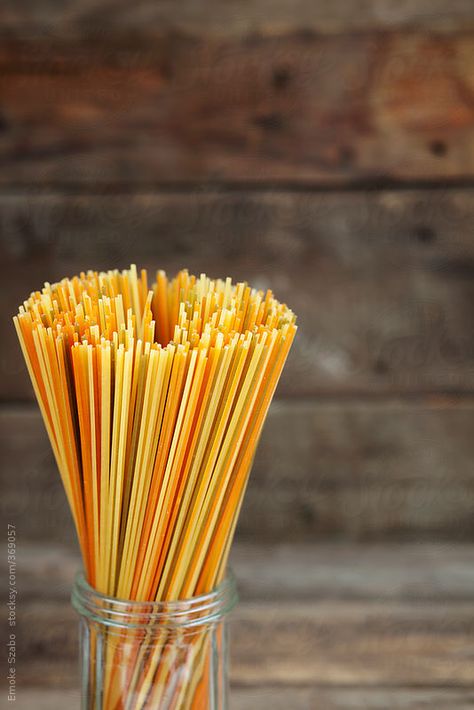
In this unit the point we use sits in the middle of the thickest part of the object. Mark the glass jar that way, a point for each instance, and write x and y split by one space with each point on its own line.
160 655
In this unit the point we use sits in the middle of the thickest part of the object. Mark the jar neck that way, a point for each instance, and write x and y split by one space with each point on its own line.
183 614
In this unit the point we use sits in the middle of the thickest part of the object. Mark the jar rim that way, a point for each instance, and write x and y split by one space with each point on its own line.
182 613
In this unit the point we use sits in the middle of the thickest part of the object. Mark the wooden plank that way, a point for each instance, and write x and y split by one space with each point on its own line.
359 643
42 699
354 470
428 572
304 643
350 699
382 282
363 471
279 698
306 108
149 19
291 572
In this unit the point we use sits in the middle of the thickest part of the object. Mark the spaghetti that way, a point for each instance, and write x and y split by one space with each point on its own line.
153 400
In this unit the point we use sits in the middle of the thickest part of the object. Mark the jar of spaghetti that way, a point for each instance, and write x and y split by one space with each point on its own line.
139 655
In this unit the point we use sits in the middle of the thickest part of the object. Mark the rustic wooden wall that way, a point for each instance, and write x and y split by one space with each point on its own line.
323 149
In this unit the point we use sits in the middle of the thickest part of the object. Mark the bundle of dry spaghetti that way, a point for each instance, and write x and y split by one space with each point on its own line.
154 400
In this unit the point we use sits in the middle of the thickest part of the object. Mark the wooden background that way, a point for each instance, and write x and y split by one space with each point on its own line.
325 150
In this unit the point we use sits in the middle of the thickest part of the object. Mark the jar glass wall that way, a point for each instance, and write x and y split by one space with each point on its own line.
160 655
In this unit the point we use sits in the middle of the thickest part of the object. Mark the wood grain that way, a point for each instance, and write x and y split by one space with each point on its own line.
382 282
322 571
306 572
321 643
348 644
279 698
72 18
350 699
355 470
305 108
